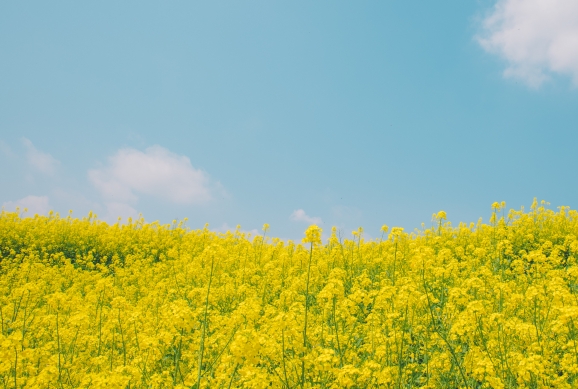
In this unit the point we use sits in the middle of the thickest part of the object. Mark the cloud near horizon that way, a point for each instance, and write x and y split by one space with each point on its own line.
115 210
156 172
300 216
537 38
34 205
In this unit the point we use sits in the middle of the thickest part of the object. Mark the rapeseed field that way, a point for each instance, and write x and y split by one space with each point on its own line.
85 304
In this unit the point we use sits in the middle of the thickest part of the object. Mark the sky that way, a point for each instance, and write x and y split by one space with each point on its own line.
289 113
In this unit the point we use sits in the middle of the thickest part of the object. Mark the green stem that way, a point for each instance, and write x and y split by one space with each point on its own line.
59 357
16 367
337 333
122 338
306 313
284 364
204 328
438 331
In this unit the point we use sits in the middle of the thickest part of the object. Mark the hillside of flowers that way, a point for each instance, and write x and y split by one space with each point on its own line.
85 304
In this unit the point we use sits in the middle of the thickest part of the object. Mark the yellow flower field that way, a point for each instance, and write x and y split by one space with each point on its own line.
87 304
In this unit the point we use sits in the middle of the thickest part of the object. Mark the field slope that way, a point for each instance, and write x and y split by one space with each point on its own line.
90 305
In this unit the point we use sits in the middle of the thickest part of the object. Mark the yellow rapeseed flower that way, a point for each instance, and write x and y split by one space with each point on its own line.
144 305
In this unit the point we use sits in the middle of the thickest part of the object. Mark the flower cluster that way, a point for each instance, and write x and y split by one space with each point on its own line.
86 304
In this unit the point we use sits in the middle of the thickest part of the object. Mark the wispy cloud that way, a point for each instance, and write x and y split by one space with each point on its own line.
226 228
39 160
156 172
115 210
300 216
535 37
33 204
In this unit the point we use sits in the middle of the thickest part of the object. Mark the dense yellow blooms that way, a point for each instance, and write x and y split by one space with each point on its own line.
86 304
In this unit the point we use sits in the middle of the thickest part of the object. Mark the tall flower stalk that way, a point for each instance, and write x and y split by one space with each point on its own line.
313 237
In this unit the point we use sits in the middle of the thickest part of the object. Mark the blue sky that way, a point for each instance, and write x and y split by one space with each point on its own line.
338 113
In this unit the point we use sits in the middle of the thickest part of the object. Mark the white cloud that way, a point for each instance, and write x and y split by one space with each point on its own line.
536 38
156 171
118 210
39 160
300 216
226 228
34 205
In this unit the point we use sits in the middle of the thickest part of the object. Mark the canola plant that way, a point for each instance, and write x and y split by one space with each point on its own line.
84 304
